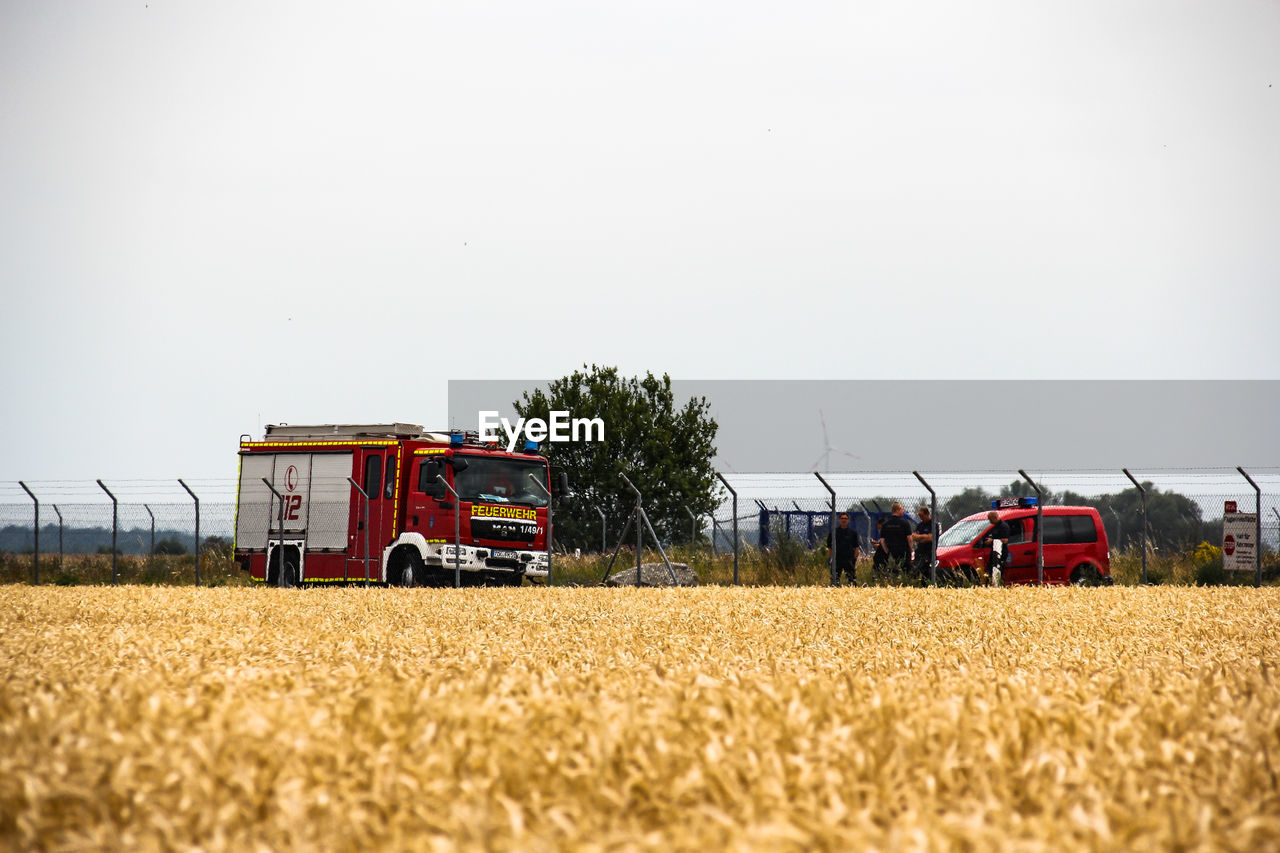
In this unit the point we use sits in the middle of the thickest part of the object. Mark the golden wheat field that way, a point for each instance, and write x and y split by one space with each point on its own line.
712 718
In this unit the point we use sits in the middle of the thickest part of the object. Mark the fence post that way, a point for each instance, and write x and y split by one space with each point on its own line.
115 520
693 525
1257 522
35 565
197 500
356 486
279 548
1143 493
550 527
1277 515
735 525
639 508
831 557
59 512
153 528
1039 527
1119 524
604 529
457 537
933 529
642 517
871 525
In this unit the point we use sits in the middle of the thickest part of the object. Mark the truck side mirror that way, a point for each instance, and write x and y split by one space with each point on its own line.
562 485
429 479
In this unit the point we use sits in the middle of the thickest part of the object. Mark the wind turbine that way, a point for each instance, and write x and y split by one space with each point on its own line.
825 458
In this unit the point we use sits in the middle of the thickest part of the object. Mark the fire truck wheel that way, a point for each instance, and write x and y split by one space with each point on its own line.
290 572
409 570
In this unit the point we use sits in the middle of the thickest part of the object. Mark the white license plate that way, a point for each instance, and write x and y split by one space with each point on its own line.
503 554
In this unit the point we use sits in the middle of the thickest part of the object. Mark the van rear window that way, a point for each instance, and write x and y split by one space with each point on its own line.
1055 530
1067 529
1082 529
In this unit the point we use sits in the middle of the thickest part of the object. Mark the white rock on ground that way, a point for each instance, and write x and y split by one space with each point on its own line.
654 574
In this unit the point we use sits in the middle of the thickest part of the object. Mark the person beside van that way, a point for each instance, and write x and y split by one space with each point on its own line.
1001 531
896 536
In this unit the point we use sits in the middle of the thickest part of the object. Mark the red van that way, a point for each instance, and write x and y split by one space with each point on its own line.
1075 544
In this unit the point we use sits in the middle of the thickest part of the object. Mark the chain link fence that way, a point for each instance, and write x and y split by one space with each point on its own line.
1184 508
140 529
82 529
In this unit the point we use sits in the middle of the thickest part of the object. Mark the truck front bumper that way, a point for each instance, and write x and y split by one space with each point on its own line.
470 558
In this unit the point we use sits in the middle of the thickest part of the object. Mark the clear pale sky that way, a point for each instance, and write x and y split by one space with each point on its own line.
216 216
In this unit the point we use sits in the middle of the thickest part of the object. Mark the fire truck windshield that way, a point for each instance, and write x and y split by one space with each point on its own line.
499 480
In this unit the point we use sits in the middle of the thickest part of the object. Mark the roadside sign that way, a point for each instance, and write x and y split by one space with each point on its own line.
1239 545
1229 506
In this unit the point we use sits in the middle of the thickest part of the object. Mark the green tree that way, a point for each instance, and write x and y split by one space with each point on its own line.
966 502
1020 488
170 546
666 451
1173 520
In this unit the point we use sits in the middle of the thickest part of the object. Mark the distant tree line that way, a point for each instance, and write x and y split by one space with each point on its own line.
17 539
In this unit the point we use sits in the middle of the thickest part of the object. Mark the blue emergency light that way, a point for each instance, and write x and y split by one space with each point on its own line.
530 446
1014 503
457 438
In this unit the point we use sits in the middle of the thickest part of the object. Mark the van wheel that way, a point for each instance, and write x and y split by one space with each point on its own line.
1085 574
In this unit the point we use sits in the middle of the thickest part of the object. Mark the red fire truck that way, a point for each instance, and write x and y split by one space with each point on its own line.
341 503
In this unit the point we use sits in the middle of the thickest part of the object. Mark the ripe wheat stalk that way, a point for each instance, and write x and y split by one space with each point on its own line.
709 718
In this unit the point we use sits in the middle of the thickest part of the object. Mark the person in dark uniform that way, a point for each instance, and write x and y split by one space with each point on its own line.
896 536
848 548
999 531
923 540
879 557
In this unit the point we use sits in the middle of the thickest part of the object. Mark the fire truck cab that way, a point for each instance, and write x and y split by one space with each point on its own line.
343 503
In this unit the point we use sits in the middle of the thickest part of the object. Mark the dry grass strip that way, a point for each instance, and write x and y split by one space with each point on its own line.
547 719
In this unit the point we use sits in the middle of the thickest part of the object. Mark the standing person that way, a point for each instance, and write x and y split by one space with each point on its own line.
848 549
896 536
923 540
880 556
999 533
